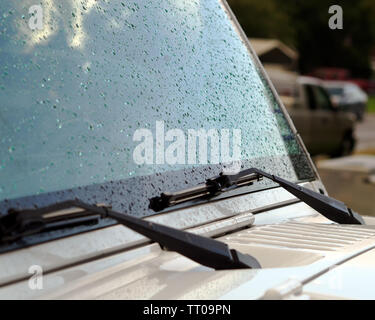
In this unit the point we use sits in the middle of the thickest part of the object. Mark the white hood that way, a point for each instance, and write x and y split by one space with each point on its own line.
301 258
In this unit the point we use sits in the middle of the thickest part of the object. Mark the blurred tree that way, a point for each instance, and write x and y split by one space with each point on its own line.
305 25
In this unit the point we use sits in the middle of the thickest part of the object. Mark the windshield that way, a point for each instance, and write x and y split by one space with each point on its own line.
114 102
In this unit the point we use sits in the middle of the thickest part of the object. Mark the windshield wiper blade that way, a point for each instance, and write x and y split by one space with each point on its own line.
212 187
332 209
206 251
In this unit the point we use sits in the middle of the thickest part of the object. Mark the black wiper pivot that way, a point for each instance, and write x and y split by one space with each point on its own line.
332 209
203 250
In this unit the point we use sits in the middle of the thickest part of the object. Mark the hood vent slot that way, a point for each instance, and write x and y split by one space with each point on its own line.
321 237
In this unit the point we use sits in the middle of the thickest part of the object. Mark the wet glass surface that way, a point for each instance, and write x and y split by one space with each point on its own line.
101 77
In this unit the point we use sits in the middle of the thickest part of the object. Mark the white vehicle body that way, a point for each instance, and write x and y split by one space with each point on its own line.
302 254
351 92
347 96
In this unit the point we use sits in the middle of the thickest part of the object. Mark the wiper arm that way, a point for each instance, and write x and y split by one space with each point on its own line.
332 209
203 250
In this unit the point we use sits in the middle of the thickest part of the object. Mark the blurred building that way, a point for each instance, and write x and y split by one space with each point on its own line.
280 62
274 53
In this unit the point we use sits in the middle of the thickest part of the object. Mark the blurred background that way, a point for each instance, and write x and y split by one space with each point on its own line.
326 80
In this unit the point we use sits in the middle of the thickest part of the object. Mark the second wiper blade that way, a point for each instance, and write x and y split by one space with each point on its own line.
331 208
212 187
206 251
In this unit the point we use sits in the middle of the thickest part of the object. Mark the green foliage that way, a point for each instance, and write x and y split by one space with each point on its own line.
304 24
264 19
371 104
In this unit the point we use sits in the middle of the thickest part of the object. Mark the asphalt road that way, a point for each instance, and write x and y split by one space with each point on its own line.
365 134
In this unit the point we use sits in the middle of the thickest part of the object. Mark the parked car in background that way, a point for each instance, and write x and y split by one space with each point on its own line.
347 96
324 128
